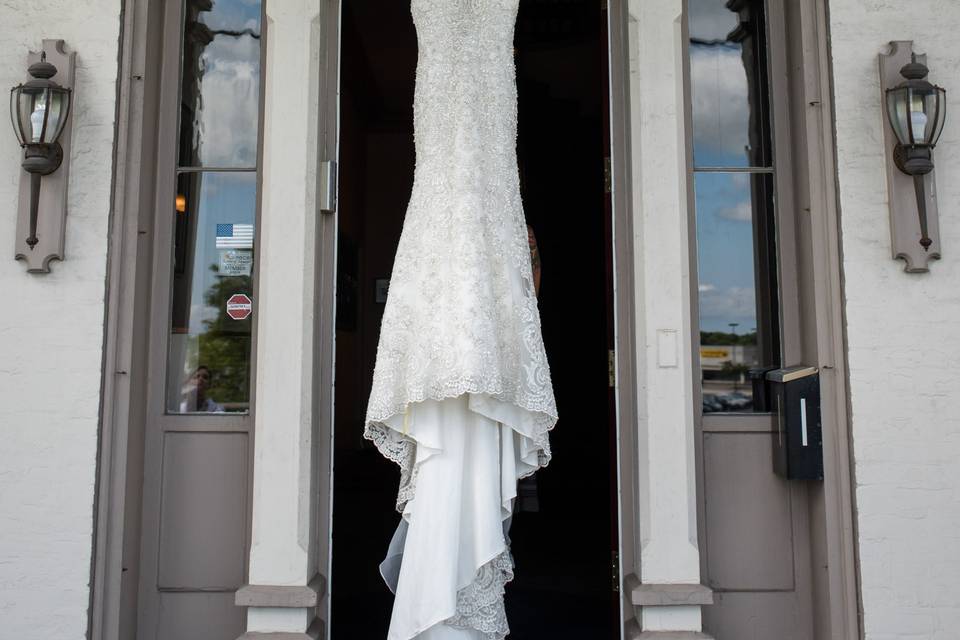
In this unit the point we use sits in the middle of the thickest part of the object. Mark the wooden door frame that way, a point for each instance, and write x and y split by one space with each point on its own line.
623 302
624 299
113 594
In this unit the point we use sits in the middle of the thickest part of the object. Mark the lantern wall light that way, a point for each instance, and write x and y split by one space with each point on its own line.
40 115
915 113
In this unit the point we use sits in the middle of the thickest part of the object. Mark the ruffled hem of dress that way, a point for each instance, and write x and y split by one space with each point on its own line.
401 448
480 605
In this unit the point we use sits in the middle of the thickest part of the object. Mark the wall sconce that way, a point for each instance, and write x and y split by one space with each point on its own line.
916 113
40 113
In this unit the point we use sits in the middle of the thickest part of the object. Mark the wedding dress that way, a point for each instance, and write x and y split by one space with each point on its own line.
461 399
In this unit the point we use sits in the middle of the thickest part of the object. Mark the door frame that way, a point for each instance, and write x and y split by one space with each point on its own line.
113 595
624 300
117 499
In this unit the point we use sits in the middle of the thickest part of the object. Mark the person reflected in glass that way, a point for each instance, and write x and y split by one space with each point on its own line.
194 398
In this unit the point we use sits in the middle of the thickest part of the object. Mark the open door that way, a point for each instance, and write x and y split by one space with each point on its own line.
754 525
561 51
198 426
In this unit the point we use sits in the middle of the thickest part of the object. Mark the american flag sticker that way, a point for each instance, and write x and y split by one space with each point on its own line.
234 236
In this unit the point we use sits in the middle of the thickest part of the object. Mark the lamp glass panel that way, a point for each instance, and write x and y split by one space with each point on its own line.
728 76
15 115
898 113
56 117
31 109
220 84
936 104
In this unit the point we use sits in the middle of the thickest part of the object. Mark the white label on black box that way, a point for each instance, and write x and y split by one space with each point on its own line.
803 421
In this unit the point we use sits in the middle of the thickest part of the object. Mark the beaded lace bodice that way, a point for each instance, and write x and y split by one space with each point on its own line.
453 322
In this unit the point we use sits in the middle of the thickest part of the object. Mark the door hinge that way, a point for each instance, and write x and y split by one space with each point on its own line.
607 176
615 569
328 186
612 368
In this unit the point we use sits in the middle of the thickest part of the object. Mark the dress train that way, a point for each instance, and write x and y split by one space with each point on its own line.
449 559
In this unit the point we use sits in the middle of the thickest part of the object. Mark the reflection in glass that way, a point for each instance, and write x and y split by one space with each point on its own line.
208 361
220 83
733 184
729 84
739 327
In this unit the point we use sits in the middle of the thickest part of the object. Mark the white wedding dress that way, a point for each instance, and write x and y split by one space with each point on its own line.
461 398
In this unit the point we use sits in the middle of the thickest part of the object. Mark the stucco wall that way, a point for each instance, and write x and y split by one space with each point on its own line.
51 337
904 334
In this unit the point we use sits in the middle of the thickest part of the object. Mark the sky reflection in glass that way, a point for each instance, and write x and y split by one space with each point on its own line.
221 84
729 131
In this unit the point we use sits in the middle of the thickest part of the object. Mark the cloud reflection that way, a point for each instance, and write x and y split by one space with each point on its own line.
721 112
223 91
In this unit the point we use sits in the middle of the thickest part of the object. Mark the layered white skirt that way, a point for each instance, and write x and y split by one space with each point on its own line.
449 559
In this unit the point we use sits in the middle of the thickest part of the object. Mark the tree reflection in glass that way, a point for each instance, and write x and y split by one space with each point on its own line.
215 231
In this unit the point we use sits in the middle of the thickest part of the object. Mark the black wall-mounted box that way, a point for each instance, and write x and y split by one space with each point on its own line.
798 442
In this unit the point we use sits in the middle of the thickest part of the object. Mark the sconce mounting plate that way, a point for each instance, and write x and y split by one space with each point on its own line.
904 217
52 219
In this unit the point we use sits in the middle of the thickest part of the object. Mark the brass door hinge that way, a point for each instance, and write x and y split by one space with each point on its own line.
615 569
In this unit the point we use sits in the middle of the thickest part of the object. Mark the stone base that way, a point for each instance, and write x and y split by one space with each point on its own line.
315 632
633 632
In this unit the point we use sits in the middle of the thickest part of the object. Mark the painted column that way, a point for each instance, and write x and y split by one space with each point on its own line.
666 588
284 586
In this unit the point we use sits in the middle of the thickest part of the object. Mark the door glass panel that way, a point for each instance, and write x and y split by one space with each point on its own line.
208 363
738 321
728 82
220 85
733 177
214 208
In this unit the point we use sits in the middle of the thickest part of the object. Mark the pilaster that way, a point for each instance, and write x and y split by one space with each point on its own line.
665 588
285 588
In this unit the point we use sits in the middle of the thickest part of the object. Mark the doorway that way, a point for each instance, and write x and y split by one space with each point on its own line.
560 57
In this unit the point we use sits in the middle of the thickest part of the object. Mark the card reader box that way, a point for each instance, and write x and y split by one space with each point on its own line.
798 441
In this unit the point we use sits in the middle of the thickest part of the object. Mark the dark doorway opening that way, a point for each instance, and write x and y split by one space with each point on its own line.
565 537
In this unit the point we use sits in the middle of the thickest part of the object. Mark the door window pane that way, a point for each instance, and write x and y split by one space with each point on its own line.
728 82
220 89
208 364
739 324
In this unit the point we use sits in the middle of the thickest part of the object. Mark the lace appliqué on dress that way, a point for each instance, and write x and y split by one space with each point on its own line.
480 604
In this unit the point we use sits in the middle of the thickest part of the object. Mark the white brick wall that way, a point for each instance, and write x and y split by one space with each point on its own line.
51 337
904 334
